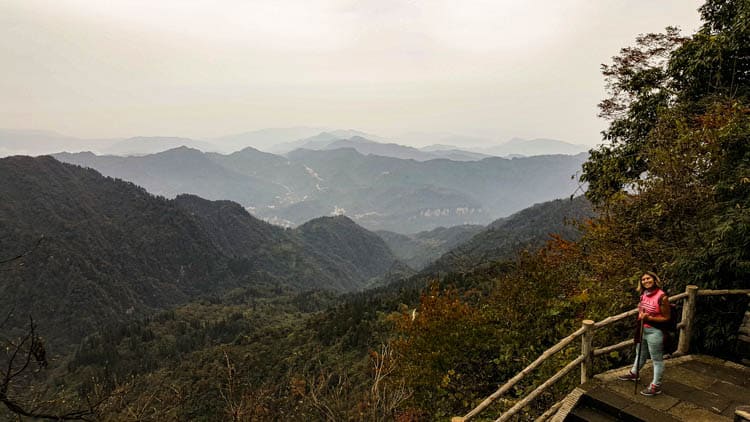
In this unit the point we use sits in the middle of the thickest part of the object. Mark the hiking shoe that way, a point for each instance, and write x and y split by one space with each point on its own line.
627 377
651 390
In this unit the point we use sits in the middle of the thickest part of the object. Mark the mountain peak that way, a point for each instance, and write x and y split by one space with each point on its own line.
182 149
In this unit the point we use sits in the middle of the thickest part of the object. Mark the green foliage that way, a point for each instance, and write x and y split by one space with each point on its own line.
113 253
458 346
672 185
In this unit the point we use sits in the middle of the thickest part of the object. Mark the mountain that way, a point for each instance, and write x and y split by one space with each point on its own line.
437 148
377 192
342 241
263 139
293 179
405 196
323 139
441 138
420 249
329 253
513 147
503 238
530 147
319 141
460 155
111 252
365 146
143 145
181 170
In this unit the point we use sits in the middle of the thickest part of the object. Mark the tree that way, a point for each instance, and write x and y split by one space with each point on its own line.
22 389
663 73
672 185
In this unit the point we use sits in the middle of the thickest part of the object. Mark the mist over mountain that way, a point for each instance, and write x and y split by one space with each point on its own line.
284 140
408 196
436 142
39 142
365 145
380 193
449 140
323 139
181 170
264 139
143 145
420 249
110 251
530 147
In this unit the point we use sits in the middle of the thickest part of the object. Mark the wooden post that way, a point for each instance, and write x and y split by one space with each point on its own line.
686 324
587 350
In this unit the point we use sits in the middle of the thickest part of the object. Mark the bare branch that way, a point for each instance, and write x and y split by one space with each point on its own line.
16 375
33 248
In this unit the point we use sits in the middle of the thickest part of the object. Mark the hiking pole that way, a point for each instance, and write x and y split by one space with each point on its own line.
638 355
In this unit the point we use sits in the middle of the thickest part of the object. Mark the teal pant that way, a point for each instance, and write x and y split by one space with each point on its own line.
653 345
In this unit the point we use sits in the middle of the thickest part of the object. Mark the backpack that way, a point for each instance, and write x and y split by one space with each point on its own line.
669 328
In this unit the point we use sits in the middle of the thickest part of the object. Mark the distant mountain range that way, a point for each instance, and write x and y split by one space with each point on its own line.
530 147
323 139
110 251
380 193
284 140
366 146
265 139
144 145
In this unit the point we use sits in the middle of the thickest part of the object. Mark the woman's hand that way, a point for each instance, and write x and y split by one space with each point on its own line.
642 316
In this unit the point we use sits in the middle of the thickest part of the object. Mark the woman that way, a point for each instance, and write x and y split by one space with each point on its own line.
652 309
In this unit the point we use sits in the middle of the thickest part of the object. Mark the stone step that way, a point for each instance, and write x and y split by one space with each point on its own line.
619 407
590 414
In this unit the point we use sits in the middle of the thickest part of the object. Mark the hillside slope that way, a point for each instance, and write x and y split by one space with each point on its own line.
504 237
420 249
112 252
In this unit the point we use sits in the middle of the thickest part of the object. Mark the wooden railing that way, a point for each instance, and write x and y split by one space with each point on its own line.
586 358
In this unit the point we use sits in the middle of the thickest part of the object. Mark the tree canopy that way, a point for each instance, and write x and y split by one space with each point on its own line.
674 173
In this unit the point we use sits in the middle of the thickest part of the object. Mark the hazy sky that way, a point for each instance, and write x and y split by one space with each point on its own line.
203 68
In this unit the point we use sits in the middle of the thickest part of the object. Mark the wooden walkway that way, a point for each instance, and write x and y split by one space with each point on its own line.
695 388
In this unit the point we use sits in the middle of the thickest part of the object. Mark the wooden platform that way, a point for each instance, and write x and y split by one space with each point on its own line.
695 388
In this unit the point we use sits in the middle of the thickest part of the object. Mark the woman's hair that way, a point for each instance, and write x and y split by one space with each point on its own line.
653 275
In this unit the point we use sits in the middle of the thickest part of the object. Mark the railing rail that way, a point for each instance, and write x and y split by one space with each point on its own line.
585 359
513 381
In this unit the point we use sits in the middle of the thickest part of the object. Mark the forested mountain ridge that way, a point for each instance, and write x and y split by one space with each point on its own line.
111 251
463 248
341 240
109 248
328 252
530 228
